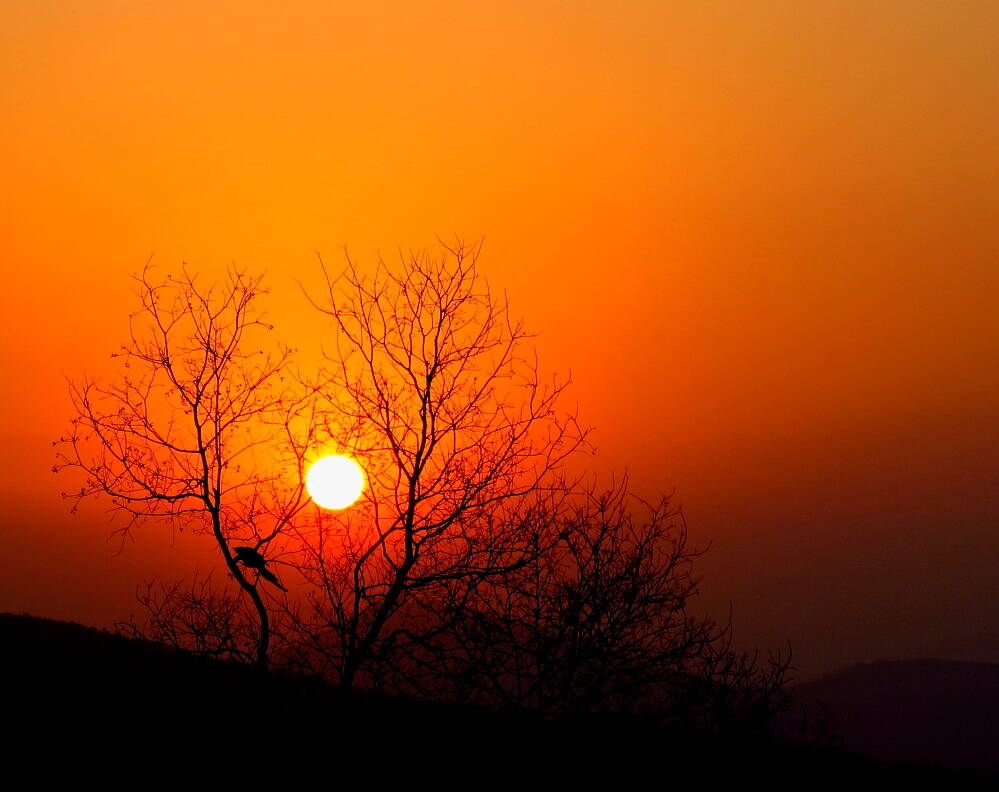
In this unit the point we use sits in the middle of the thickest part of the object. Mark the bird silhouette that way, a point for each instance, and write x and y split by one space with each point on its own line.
251 558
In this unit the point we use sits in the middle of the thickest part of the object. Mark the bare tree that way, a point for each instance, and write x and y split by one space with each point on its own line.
463 443
599 623
473 569
197 432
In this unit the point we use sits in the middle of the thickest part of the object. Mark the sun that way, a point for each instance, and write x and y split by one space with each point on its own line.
334 482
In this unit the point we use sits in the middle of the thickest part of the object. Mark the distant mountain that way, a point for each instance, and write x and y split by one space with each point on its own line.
933 711
133 706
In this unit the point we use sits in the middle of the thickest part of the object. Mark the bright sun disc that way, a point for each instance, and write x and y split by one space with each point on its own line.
335 482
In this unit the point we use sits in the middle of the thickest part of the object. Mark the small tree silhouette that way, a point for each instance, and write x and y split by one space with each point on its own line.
195 432
600 624
463 444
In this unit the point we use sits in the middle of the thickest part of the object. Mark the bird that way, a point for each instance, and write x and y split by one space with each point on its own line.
251 558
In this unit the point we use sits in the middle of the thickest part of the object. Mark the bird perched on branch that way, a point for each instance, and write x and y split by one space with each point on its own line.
251 558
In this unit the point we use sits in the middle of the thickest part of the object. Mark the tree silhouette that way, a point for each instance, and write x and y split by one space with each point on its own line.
463 444
474 568
599 623
197 431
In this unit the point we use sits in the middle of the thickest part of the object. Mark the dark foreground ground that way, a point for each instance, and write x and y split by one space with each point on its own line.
98 705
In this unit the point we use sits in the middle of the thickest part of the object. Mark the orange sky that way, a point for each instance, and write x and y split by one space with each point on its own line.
764 237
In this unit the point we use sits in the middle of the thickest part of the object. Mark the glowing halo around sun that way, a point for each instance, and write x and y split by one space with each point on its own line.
334 482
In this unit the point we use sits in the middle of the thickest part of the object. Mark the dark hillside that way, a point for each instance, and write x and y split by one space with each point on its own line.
937 711
68 685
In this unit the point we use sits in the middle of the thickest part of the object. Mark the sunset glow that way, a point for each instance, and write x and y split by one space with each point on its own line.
335 482
762 237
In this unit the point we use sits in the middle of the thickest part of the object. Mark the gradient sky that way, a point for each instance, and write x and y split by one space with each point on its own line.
763 236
